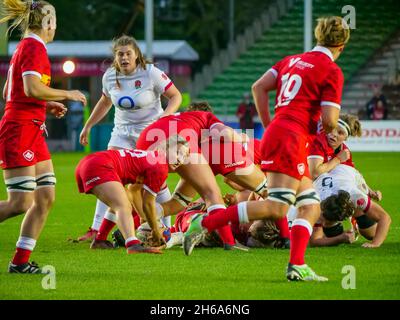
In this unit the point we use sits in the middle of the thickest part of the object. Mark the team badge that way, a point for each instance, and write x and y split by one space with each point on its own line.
301 168
164 76
138 84
360 203
28 155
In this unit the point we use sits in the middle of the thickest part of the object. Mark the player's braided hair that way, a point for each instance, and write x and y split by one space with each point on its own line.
27 15
337 207
354 124
332 32
125 40
200 106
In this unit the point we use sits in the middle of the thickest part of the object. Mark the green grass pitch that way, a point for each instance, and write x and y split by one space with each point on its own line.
208 273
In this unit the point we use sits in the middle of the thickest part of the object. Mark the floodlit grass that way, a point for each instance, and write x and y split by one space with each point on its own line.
208 273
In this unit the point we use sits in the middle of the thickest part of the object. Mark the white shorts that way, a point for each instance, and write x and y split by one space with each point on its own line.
125 136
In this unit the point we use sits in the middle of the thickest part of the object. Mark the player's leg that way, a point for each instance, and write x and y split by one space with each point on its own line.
20 184
114 196
35 218
308 204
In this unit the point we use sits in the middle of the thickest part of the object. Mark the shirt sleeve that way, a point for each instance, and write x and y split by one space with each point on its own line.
154 178
316 151
34 60
331 95
159 79
360 200
212 120
105 83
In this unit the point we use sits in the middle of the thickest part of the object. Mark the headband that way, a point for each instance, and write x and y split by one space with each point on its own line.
344 126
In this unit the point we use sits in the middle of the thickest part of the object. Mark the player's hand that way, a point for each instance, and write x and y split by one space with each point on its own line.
76 95
348 237
343 155
369 245
375 195
83 137
156 239
230 199
57 109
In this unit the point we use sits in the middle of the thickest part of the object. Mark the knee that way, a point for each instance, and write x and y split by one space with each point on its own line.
20 206
46 200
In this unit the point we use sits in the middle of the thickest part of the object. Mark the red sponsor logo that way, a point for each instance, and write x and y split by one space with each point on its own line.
381 133
138 84
28 155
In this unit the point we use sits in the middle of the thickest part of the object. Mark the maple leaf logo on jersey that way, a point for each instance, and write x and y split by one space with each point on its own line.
138 84
28 155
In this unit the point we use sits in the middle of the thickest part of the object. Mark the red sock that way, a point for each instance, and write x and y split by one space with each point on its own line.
105 229
298 244
136 219
221 217
226 235
283 227
21 256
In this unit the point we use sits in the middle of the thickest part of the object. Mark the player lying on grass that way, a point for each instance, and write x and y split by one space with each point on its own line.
345 194
104 174
196 175
327 152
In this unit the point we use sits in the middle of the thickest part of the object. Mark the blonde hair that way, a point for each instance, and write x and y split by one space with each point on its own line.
332 32
123 41
27 15
354 124
200 106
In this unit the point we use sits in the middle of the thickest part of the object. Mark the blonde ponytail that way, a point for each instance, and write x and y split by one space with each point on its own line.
332 32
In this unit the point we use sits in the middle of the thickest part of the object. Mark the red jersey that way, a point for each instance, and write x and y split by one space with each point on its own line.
305 82
254 151
124 166
29 58
320 149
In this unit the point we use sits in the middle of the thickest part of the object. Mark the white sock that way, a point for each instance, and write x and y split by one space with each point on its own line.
101 210
26 243
164 196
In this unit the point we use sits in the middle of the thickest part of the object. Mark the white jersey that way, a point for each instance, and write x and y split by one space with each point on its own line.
344 177
137 98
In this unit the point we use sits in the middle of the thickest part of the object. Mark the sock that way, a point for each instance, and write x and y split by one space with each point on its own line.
131 241
164 196
219 217
24 249
136 219
226 235
101 210
283 227
299 237
107 225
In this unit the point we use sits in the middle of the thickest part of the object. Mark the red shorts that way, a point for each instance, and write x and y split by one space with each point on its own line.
22 143
94 170
284 151
182 220
225 158
164 128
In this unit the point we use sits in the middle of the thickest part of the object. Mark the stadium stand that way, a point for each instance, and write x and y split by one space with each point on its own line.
376 22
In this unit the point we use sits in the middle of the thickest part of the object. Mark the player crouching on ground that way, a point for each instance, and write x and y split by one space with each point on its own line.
105 174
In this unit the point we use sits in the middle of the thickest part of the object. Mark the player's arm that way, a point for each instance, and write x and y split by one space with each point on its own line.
102 107
149 209
318 238
134 192
260 91
318 166
34 88
174 100
377 213
330 117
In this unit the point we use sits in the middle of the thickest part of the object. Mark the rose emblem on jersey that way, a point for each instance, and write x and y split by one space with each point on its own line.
360 203
28 155
138 84
301 168
164 76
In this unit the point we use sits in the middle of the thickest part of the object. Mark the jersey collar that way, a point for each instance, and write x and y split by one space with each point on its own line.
37 38
324 50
